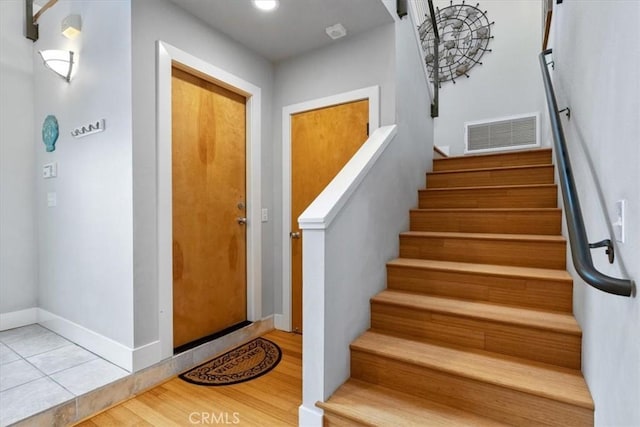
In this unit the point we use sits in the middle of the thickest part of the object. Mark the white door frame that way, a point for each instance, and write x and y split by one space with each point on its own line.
372 93
168 55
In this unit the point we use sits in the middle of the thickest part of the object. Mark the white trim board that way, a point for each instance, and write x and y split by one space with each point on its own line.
18 318
131 359
372 93
113 351
168 55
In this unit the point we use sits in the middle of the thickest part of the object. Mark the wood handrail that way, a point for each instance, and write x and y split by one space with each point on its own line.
43 9
31 20
547 29
435 104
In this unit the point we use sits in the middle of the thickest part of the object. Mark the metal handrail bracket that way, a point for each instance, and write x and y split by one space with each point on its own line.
580 248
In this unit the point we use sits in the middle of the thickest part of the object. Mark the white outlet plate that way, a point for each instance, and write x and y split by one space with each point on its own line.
265 214
52 199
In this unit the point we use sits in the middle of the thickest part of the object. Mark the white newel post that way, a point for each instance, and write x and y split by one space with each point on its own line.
313 317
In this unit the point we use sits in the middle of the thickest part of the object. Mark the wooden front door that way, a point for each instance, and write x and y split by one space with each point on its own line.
209 234
322 141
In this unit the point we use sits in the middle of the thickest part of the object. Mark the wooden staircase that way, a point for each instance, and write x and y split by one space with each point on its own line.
476 325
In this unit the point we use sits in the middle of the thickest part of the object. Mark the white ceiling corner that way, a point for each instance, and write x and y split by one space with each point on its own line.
295 27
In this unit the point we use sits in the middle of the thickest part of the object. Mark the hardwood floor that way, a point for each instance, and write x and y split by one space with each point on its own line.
271 400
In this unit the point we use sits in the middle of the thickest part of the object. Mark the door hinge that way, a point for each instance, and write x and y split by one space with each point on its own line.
367 128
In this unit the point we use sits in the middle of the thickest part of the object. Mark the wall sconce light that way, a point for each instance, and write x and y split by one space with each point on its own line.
71 26
58 61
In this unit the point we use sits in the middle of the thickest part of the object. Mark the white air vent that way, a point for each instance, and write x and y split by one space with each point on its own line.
505 133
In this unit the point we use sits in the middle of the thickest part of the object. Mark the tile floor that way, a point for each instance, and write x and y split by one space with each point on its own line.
40 369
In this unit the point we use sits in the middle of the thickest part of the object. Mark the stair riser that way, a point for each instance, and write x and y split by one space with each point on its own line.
536 157
522 292
489 400
527 197
539 254
555 348
525 176
530 222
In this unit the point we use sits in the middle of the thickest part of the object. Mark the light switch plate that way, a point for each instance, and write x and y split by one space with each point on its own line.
50 170
618 224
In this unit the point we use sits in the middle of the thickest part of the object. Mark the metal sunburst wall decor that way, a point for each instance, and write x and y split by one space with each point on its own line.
465 32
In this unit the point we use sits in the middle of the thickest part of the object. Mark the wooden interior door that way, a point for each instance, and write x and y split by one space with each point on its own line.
322 141
209 234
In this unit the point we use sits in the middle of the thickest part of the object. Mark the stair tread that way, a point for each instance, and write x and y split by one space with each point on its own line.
482 210
489 169
559 384
489 187
538 319
369 404
487 269
485 236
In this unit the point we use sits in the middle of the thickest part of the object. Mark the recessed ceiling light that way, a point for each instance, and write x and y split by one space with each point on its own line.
266 5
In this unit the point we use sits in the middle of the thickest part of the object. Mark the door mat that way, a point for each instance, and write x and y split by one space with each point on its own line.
244 363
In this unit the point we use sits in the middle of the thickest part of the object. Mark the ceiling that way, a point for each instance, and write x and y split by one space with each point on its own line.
296 26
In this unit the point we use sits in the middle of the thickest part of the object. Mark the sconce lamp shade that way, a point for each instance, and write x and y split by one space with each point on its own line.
58 61
71 26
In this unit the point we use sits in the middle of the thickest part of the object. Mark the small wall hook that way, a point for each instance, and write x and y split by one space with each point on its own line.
88 129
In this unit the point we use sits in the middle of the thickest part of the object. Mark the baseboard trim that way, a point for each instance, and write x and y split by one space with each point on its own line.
19 318
281 323
146 355
130 359
310 417
108 349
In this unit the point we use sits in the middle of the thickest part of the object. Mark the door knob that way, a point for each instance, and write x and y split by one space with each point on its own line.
241 220
294 234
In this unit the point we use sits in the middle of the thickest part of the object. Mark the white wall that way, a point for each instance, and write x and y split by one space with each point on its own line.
597 75
508 82
18 263
85 242
364 234
352 63
161 20
377 213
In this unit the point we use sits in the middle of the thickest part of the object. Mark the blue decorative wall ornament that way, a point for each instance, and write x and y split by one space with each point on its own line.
50 132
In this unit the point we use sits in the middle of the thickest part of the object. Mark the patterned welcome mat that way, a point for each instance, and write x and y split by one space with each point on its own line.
241 364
